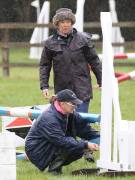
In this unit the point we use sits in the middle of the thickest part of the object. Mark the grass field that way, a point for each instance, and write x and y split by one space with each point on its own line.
22 89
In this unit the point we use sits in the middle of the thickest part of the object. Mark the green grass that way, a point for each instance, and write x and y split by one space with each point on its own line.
20 55
22 89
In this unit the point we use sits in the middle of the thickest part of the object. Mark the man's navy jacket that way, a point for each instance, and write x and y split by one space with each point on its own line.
53 131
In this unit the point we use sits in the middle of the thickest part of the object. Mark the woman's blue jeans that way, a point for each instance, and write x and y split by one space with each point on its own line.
84 107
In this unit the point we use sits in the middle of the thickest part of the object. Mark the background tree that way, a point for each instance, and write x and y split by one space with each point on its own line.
7 14
126 12
22 11
92 13
17 11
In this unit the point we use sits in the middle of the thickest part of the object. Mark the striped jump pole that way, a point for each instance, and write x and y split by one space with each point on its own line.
126 76
121 56
118 74
33 114
124 56
22 156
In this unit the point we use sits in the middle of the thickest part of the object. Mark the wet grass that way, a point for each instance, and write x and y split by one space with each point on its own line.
22 89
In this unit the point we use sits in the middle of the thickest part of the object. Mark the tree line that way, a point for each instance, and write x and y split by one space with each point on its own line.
22 11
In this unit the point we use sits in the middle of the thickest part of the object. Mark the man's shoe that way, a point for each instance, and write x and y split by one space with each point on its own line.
89 157
57 171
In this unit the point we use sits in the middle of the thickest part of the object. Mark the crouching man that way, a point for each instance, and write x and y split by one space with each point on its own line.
51 141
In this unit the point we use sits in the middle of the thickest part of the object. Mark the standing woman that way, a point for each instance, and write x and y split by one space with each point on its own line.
71 53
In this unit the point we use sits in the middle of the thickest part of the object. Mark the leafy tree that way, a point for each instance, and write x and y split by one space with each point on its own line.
126 12
61 4
22 11
7 13
17 11
93 9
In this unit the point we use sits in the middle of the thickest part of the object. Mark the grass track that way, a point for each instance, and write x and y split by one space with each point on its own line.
22 89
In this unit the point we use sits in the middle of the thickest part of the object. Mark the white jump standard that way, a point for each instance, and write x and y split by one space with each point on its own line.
117 150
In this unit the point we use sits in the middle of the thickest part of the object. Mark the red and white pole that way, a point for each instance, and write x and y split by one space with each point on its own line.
126 76
121 56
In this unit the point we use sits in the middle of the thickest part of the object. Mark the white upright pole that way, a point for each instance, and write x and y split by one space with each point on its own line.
109 102
116 33
40 34
79 15
106 97
36 4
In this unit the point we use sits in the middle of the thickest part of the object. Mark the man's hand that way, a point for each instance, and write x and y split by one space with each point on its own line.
93 147
45 93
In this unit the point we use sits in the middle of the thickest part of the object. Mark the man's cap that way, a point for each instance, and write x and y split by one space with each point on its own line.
63 14
67 95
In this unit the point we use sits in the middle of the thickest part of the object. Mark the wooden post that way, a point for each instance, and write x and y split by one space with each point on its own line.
5 61
5 55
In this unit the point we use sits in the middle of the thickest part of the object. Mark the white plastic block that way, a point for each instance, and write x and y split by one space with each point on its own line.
7 140
7 156
7 172
126 145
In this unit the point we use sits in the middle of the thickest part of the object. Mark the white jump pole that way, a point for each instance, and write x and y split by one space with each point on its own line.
116 33
40 34
36 4
109 101
117 150
106 97
79 15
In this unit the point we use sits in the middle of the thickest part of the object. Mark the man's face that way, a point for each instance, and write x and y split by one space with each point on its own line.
65 26
68 107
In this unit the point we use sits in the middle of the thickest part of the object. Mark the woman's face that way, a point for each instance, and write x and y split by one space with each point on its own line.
65 26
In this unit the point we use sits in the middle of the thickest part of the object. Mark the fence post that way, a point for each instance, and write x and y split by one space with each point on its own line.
5 54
